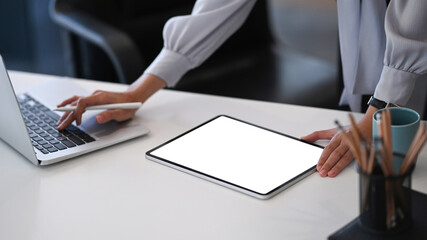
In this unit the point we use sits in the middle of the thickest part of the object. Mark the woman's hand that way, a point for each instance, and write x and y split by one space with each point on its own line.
139 91
98 97
337 155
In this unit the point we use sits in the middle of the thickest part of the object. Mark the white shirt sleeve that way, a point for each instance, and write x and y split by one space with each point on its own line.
189 40
405 56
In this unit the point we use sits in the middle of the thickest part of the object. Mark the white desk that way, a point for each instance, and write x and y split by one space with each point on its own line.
116 193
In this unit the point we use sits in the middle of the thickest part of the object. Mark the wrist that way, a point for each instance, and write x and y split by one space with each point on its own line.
132 96
144 87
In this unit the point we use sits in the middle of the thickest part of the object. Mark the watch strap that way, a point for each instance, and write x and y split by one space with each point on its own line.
379 103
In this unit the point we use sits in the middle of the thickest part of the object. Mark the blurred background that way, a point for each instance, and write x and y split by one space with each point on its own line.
287 50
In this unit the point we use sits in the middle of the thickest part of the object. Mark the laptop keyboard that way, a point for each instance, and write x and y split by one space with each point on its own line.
41 125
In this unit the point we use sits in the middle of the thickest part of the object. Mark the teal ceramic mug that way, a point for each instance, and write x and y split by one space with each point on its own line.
404 126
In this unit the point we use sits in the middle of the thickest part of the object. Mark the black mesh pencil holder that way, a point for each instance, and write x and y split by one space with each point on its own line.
385 201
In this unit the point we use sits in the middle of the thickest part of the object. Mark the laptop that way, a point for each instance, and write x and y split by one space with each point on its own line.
29 126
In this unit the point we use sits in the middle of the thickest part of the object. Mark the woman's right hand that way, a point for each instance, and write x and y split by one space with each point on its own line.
139 91
98 97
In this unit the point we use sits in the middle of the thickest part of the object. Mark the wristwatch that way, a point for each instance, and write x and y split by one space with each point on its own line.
379 103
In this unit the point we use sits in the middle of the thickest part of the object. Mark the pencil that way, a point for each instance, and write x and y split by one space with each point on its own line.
409 156
371 160
357 136
413 155
385 133
388 135
371 163
357 132
351 143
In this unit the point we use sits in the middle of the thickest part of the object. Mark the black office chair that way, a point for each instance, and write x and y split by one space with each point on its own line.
99 36
116 40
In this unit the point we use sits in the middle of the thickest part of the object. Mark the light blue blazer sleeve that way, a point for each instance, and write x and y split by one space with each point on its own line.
189 40
405 58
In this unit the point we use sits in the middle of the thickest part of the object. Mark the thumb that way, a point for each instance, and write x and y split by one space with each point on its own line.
317 135
116 114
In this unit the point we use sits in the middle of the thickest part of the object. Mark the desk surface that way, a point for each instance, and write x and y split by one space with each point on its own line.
116 193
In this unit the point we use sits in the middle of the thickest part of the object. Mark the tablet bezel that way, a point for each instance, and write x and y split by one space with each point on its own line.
225 183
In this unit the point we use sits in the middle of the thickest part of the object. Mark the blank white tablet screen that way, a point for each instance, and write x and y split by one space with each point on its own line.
241 154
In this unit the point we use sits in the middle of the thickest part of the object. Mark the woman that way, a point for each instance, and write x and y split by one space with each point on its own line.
383 53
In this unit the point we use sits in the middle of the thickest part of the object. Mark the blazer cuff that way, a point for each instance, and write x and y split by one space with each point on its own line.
169 66
395 86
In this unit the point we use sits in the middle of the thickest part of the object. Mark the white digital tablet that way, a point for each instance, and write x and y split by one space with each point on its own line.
239 155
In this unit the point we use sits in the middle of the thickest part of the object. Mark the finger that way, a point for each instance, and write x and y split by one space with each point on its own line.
332 145
66 122
335 156
78 113
119 115
68 101
82 103
317 135
341 164
63 117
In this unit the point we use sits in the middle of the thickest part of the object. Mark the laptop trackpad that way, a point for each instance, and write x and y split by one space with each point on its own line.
90 126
